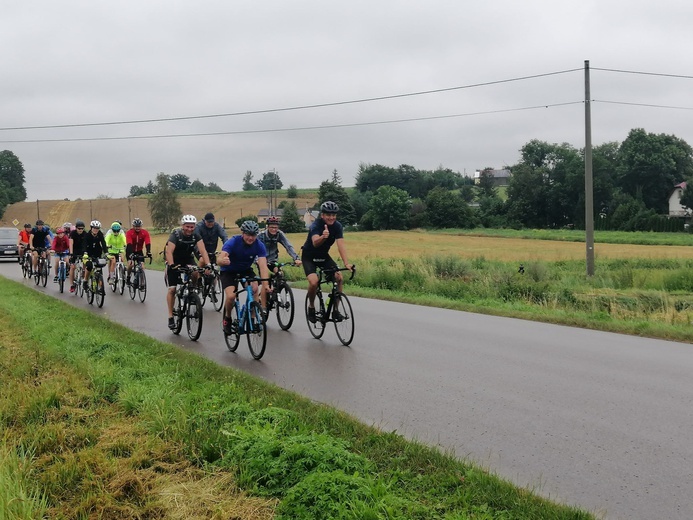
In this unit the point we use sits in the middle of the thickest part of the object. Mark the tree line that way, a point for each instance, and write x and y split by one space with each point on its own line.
179 183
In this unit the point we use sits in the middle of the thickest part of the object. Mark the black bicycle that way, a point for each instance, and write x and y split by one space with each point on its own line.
188 304
211 287
281 297
336 308
42 266
25 263
96 288
138 280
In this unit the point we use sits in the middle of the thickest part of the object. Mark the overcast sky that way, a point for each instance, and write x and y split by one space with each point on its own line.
79 62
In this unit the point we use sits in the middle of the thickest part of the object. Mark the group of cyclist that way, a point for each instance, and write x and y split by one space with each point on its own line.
252 246
76 242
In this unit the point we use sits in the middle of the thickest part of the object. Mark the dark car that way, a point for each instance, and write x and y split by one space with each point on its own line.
8 243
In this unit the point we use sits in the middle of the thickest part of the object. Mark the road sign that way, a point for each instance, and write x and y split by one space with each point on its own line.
15 222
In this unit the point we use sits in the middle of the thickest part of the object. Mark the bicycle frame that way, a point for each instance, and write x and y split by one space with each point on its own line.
337 303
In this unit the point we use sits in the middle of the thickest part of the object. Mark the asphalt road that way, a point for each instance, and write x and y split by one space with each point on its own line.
593 419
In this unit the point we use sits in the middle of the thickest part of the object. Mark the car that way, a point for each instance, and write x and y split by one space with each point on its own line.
8 244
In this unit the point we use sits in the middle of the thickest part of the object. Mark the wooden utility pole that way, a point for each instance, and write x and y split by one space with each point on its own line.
589 201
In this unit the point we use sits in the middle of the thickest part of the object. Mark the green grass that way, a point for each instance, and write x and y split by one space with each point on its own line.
110 423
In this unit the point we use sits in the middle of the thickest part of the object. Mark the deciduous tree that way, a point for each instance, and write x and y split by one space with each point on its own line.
163 204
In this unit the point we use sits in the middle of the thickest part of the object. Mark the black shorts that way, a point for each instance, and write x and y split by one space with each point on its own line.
231 278
310 263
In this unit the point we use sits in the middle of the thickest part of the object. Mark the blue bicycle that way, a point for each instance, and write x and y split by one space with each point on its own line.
246 318
62 270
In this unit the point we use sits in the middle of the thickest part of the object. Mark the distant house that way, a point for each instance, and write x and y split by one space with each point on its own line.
310 216
265 213
675 207
500 177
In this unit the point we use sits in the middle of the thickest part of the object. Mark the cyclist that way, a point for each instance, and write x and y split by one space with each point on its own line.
61 247
24 240
236 260
179 250
136 240
69 228
271 236
94 247
40 234
322 233
76 249
115 240
211 231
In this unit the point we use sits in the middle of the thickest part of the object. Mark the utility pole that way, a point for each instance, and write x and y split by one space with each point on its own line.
589 202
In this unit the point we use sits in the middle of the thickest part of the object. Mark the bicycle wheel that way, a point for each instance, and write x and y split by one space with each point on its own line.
193 316
257 333
90 290
285 306
25 267
120 280
61 276
37 272
100 289
317 329
345 326
142 285
79 274
132 288
233 339
178 311
216 293
44 273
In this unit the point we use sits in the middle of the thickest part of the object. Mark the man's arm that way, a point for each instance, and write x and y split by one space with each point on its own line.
287 245
343 253
170 247
203 251
222 234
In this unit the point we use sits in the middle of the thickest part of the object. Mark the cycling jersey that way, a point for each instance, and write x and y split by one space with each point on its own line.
271 243
137 240
94 245
185 246
316 228
24 236
77 239
61 245
116 243
242 255
39 236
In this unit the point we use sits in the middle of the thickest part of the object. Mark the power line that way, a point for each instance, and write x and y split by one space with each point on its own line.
300 107
295 129
641 104
644 73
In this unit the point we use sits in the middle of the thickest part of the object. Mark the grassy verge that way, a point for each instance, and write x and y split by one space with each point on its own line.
100 421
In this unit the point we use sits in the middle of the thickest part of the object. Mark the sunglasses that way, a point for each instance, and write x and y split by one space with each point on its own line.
80 229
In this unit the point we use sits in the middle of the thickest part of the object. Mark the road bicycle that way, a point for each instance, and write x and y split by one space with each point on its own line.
25 263
325 308
63 270
281 297
79 277
42 266
117 282
211 287
95 289
246 318
187 304
138 280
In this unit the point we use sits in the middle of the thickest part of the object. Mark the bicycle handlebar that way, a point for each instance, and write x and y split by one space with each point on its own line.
332 270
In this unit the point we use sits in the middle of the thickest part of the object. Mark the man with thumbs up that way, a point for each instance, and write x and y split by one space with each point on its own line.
322 233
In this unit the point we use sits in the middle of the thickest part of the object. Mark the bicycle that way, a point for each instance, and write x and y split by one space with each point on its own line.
95 286
211 287
41 272
281 297
247 319
336 301
138 285
117 282
188 304
63 270
79 277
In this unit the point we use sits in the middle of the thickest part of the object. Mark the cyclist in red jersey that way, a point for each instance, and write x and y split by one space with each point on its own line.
137 240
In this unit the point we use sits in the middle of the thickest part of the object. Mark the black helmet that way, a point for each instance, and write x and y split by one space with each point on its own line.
27 225
79 223
250 227
329 207
39 222
137 222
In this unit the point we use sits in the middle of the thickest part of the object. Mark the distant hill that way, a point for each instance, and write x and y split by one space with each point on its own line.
226 208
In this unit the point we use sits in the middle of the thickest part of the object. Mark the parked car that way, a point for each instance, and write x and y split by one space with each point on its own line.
8 243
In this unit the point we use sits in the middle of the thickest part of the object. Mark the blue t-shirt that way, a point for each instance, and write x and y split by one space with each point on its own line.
241 254
316 228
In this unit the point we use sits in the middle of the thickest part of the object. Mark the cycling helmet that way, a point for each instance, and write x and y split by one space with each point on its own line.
60 230
137 222
67 226
39 222
250 227
27 225
115 227
79 223
96 224
329 207
272 220
188 219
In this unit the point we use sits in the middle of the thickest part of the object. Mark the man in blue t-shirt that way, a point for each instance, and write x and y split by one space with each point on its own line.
235 261
322 233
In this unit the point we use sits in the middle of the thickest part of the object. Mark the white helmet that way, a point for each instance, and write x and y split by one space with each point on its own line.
188 219
96 224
